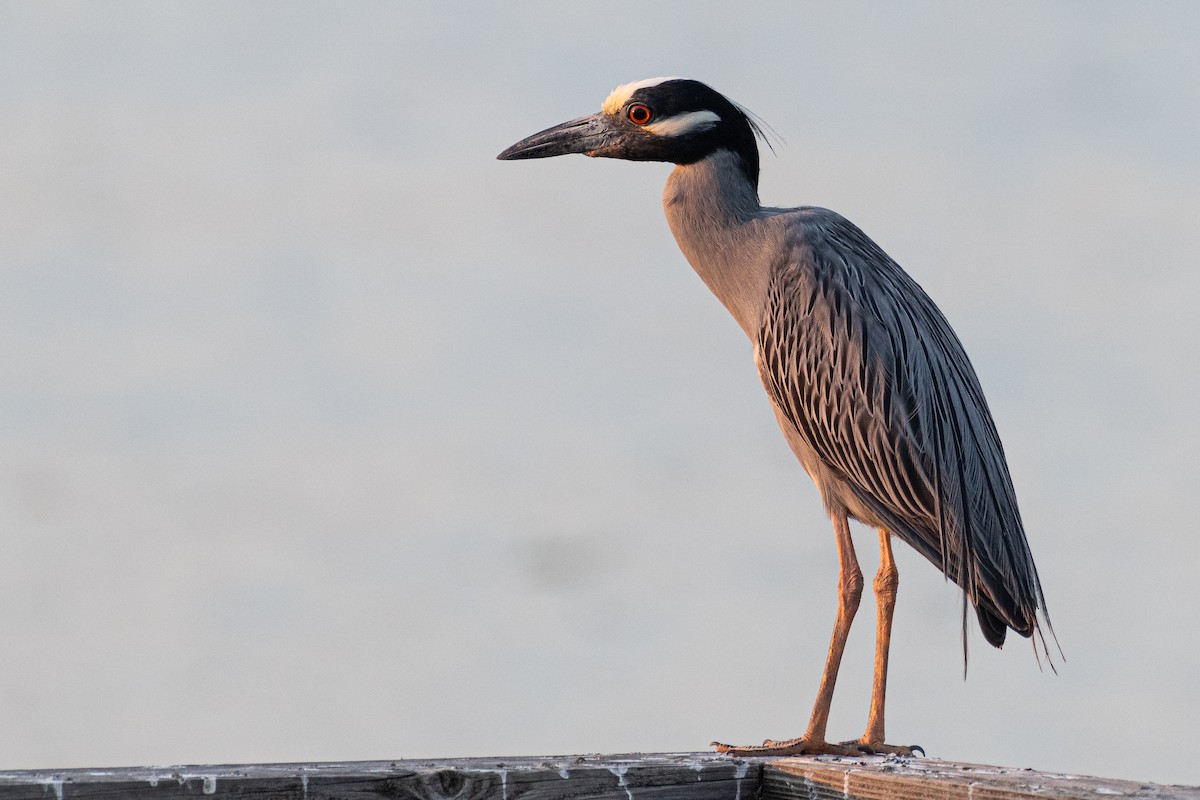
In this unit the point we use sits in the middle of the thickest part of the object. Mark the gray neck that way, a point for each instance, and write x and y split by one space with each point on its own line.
713 210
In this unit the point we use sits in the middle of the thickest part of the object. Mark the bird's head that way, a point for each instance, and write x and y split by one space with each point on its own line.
660 119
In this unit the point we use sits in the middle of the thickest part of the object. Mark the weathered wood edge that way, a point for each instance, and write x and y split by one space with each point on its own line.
879 777
653 776
637 776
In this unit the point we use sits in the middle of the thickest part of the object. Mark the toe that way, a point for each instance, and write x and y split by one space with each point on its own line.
769 747
879 748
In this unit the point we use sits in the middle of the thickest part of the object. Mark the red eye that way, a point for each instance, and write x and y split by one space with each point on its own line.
639 114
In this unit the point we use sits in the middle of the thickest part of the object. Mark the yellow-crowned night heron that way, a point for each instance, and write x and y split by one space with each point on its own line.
870 385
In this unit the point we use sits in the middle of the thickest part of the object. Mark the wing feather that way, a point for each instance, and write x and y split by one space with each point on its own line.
873 379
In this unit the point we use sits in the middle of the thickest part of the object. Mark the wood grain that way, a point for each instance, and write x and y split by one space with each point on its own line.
592 777
638 776
880 777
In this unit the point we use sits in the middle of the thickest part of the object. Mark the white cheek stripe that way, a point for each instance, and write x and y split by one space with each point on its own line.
680 124
623 92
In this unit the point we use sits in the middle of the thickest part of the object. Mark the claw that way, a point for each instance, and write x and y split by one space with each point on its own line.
916 748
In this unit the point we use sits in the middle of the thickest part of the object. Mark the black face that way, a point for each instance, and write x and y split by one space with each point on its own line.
679 121
671 101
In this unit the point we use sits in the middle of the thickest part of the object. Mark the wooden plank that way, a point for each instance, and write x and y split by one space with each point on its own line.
656 776
880 777
663 776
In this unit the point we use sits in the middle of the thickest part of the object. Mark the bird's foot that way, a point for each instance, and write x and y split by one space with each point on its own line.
812 747
879 748
793 747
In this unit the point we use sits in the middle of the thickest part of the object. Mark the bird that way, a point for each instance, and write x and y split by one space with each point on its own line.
870 385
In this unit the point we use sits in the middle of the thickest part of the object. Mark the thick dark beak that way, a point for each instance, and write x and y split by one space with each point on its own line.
583 135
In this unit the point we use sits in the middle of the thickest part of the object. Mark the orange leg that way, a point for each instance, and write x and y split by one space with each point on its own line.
850 588
886 582
849 593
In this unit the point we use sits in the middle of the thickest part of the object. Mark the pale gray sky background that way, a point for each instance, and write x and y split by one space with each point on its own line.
324 435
